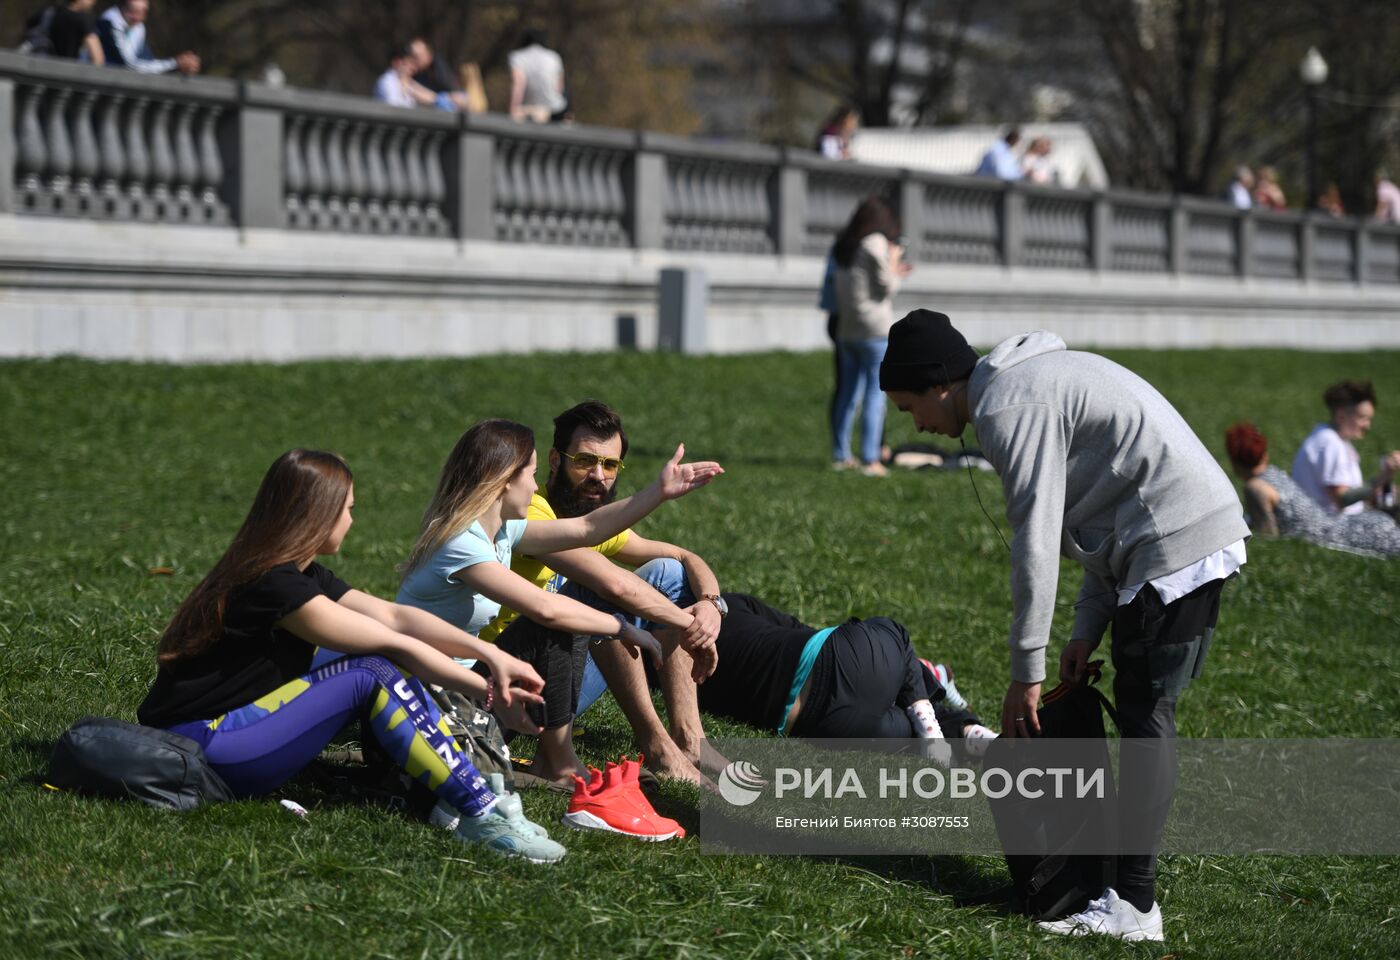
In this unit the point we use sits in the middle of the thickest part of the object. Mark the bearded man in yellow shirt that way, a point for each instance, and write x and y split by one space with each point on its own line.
668 587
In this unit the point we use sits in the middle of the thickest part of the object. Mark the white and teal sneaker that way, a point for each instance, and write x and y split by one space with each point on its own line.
511 835
1110 916
445 816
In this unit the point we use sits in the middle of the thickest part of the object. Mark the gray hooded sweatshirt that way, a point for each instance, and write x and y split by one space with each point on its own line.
1097 465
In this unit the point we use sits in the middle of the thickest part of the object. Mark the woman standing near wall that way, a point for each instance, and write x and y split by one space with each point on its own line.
869 267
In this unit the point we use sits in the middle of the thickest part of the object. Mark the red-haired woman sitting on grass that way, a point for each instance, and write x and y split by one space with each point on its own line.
1279 507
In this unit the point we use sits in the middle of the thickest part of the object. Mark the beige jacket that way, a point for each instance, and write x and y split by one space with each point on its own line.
865 292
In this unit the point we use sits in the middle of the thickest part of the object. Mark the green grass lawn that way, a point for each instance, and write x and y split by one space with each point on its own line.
110 470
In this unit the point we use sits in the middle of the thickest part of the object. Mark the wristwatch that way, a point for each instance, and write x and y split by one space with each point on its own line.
719 603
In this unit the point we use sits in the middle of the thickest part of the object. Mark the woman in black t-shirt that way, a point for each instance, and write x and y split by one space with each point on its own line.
235 670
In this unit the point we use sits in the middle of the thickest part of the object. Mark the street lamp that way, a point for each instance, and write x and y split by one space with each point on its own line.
1313 71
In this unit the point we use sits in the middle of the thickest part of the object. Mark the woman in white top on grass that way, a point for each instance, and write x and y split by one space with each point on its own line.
459 567
1327 466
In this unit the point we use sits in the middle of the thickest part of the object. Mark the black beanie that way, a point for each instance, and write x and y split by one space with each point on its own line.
925 351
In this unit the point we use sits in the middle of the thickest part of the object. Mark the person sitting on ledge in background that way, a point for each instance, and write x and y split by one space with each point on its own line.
1327 466
1278 507
235 664
65 31
122 31
860 679
537 80
396 85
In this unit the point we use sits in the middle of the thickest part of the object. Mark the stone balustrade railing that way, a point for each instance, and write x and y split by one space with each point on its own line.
92 143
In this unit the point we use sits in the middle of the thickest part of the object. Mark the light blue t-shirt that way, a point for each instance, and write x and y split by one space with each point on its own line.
430 586
1000 162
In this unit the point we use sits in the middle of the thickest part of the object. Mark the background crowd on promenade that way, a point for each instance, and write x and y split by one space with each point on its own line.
414 77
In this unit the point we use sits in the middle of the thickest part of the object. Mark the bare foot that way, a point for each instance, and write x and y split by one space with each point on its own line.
673 763
563 777
711 760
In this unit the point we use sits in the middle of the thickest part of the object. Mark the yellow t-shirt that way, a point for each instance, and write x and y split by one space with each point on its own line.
536 572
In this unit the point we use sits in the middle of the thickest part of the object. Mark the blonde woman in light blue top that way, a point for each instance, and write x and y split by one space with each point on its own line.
459 567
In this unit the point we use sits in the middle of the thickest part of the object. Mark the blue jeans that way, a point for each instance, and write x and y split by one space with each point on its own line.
668 579
859 382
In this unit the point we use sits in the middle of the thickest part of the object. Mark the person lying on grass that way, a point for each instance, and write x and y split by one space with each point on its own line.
860 679
460 569
235 669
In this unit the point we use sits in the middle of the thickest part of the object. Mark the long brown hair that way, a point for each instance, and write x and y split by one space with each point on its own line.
475 475
296 508
874 215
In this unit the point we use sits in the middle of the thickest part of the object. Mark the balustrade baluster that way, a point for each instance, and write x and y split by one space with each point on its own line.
617 200
32 155
111 159
60 149
590 200
734 237
356 179
435 185
211 166
566 193
312 148
138 161
671 205
84 152
536 205
683 210
162 160
396 178
377 181
335 175
710 203
504 199
415 181
520 178
763 214
554 201
293 171
186 163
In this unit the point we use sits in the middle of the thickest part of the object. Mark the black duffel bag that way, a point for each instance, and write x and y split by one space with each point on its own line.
112 758
1059 881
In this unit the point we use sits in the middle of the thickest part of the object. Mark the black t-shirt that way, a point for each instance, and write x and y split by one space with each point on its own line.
67 31
437 77
758 652
252 657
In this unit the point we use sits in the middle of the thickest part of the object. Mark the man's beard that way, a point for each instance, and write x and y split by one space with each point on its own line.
565 499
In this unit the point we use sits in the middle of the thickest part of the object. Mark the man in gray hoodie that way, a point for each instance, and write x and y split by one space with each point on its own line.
1096 465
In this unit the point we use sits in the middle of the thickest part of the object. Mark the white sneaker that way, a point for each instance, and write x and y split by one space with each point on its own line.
1110 916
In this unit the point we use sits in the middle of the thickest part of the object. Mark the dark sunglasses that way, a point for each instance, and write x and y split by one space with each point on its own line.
587 461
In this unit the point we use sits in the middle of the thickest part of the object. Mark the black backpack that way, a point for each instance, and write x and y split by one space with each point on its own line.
1056 883
112 758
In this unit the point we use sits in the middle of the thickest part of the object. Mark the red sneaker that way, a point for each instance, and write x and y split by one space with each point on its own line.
612 802
631 777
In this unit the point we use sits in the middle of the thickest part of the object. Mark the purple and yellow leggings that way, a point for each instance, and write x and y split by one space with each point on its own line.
258 747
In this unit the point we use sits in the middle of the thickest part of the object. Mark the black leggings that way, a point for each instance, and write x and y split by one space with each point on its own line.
875 674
